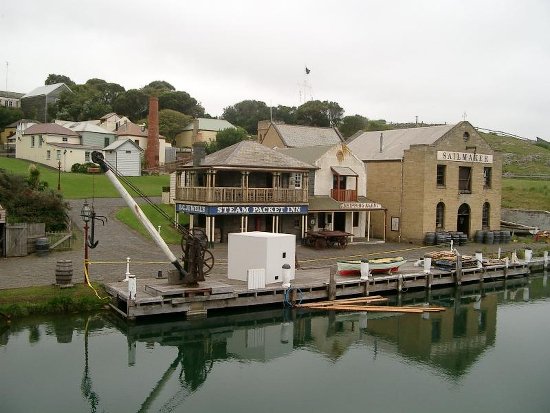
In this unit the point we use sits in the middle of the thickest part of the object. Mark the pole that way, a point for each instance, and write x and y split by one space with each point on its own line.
59 175
86 264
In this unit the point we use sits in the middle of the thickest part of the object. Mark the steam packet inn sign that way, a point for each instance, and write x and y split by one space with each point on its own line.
242 209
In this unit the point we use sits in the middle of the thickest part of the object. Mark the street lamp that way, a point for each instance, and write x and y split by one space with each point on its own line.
86 214
59 175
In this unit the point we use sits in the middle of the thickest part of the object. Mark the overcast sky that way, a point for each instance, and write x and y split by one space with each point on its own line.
488 61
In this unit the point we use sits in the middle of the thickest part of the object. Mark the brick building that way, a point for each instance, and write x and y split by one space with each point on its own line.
438 178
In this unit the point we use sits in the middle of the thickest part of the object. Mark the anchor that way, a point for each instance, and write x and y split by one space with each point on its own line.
92 243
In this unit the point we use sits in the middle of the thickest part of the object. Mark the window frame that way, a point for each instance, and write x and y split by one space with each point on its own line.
440 216
486 216
487 177
464 189
441 176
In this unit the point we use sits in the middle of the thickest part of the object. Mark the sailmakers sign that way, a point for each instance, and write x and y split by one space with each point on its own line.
464 157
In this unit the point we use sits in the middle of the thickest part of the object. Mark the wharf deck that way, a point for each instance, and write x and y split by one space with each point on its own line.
156 297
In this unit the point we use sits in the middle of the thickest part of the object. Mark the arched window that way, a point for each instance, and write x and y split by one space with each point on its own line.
485 216
440 216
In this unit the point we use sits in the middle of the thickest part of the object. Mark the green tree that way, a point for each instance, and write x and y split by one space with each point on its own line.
352 124
9 115
171 123
287 114
109 91
53 79
84 103
378 124
246 114
227 137
181 102
157 88
132 103
317 113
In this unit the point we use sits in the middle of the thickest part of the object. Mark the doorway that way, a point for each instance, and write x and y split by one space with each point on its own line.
339 221
463 219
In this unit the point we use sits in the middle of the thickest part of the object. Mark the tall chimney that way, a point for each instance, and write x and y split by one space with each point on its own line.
152 151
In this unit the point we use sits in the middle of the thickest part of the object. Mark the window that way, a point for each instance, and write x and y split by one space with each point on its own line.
87 156
65 139
40 140
355 219
441 170
295 181
58 154
32 141
465 179
105 141
487 172
485 216
440 216
48 154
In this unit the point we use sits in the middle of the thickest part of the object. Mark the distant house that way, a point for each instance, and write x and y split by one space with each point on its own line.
139 134
124 156
201 130
297 136
36 102
90 132
10 99
53 145
14 131
111 121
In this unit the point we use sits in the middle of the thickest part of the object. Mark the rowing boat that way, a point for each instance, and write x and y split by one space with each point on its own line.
378 265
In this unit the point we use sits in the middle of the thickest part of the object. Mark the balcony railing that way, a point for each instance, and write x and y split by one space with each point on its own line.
344 195
240 195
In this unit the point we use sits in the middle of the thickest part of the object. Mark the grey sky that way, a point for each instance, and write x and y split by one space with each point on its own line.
382 59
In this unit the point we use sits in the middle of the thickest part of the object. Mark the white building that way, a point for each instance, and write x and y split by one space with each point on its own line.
125 157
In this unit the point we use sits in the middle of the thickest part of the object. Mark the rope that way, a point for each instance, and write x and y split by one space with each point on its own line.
287 301
89 283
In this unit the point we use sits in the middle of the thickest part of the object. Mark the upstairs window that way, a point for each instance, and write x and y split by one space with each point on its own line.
295 181
40 140
105 141
441 172
32 141
65 139
465 180
487 177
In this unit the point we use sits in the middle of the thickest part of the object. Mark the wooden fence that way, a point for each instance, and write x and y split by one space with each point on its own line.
21 238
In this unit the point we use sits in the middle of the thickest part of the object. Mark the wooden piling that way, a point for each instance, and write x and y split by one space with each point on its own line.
332 284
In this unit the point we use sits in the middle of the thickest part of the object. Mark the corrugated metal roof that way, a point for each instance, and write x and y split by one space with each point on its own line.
49 129
86 127
117 144
343 171
306 154
394 142
295 136
210 124
45 90
253 155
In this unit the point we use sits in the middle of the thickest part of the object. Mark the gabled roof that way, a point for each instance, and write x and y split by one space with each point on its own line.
11 95
49 129
131 129
117 144
308 154
214 125
20 121
366 146
252 155
296 136
46 90
86 126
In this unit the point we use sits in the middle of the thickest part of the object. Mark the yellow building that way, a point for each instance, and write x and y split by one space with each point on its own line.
438 178
201 130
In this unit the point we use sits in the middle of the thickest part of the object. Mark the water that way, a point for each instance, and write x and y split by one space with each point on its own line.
488 352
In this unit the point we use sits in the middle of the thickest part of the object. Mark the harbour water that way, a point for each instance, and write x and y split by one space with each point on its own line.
488 352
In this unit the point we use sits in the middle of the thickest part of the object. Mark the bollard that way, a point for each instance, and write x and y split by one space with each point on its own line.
286 276
365 271
528 254
499 252
132 287
127 269
427 265
479 259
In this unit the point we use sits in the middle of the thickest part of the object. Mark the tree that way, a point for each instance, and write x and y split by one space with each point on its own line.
109 91
227 137
317 113
53 79
132 103
181 102
287 114
9 115
246 114
352 124
157 88
84 103
378 124
171 123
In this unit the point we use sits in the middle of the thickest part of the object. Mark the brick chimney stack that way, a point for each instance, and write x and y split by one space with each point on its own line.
152 151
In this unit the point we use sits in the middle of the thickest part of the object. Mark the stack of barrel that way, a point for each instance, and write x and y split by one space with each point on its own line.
492 237
445 237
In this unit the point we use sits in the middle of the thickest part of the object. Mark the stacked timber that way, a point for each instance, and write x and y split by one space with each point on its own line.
447 260
366 304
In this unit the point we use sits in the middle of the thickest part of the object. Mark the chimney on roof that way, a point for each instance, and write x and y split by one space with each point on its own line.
152 151
381 141
199 152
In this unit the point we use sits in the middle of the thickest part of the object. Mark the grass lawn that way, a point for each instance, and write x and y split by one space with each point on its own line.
78 186
167 232
525 193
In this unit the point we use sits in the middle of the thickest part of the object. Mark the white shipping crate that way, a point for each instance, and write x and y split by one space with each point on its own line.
252 250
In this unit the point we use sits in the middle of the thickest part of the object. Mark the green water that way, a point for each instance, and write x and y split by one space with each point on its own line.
488 352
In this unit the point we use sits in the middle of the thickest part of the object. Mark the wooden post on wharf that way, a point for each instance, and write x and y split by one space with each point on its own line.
458 273
332 283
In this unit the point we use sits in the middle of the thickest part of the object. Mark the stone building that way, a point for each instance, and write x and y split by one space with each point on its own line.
438 178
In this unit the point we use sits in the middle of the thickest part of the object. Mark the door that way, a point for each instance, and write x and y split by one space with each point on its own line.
339 221
463 219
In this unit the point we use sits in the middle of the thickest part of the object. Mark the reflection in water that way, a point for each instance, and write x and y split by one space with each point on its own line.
450 342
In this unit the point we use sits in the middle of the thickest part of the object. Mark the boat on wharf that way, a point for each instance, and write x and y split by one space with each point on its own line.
156 296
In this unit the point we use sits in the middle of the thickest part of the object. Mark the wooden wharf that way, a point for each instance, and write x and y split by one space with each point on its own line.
156 297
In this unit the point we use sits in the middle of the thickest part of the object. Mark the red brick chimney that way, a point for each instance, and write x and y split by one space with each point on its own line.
152 151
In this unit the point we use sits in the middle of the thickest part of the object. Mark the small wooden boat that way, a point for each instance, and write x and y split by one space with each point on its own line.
378 265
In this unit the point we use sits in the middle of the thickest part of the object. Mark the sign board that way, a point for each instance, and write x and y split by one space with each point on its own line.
360 205
242 209
464 157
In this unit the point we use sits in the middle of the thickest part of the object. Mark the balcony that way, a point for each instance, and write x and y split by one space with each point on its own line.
344 195
228 195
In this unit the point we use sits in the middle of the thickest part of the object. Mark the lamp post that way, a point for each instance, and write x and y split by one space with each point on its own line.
59 175
86 214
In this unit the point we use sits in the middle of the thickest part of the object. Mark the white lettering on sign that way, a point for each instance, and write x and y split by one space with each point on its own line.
360 205
464 157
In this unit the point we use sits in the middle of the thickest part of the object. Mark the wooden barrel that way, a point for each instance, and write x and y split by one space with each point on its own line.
463 238
488 237
42 246
441 237
64 272
479 236
429 238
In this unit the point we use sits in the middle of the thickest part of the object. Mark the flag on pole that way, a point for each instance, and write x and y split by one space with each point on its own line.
307 71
